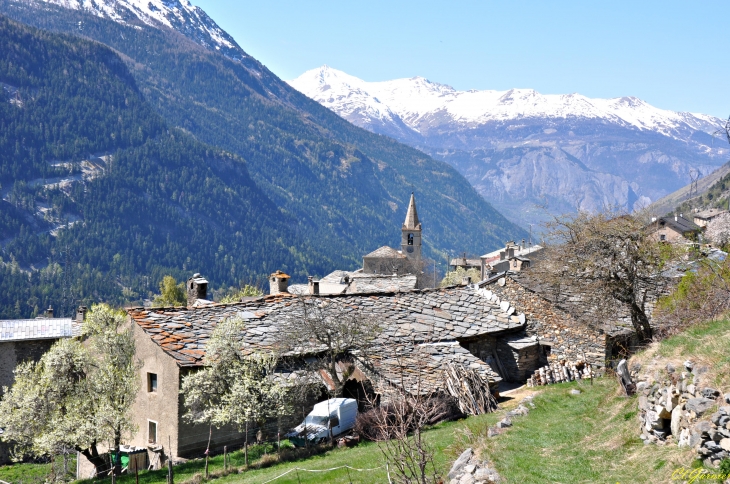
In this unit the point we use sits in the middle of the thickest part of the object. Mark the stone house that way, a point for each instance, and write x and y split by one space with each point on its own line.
514 257
27 340
702 218
673 229
452 324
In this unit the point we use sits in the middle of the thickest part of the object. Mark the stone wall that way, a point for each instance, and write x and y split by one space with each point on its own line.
566 337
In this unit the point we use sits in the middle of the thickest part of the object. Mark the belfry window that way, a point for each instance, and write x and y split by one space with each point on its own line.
410 239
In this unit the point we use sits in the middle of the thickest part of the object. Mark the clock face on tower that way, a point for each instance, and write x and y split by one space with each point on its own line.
409 250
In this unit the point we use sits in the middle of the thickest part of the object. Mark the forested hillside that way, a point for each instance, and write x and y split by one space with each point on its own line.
346 188
101 199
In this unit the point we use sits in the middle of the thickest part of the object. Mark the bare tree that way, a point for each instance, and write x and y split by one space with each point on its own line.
403 406
328 332
606 261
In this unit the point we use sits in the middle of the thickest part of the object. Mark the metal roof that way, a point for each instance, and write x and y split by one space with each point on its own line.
33 329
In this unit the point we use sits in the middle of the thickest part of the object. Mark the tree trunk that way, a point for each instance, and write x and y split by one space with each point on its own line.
245 447
92 455
641 323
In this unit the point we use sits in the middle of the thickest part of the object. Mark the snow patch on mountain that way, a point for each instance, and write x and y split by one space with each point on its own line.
179 15
423 104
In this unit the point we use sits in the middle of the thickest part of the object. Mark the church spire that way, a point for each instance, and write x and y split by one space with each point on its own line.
412 215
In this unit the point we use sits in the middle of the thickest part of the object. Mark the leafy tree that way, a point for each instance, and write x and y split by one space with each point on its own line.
456 277
246 291
171 293
234 387
79 394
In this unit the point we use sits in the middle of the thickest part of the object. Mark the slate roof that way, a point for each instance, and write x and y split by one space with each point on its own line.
428 316
397 365
359 282
385 252
679 224
709 214
35 329
372 283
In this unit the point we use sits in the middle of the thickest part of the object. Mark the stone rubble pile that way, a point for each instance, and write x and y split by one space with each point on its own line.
468 469
678 409
560 371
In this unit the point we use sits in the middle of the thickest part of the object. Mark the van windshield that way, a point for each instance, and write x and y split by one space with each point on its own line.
316 420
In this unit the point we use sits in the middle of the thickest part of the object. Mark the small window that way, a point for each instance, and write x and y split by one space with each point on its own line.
152 382
662 237
151 432
334 421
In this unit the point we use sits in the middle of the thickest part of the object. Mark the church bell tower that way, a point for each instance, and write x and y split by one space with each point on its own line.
411 233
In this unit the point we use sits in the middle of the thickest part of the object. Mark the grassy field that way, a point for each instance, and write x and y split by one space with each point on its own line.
443 437
35 473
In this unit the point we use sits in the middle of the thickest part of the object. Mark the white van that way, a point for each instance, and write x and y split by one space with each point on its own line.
336 415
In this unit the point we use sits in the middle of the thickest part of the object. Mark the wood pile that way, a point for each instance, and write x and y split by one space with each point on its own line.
560 371
470 390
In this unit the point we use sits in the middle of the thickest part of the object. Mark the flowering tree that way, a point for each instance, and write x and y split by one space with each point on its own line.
78 395
235 387
718 230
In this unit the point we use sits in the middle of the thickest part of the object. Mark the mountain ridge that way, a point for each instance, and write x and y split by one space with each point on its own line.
532 155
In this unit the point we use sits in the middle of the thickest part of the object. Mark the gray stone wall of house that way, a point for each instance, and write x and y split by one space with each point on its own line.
567 337
12 353
387 266
520 356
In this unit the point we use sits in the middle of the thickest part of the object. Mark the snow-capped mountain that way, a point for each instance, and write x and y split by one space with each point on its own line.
179 15
521 148
423 105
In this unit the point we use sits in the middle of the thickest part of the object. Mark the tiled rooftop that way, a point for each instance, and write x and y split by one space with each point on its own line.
33 329
430 316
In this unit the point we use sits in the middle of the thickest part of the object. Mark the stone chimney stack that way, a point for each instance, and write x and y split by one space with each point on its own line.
81 314
502 254
510 252
313 286
278 283
49 312
197 288
466 280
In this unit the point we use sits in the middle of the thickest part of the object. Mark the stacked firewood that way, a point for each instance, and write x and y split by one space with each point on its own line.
470 389
560 371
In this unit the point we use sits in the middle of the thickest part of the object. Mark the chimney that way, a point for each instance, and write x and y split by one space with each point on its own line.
523 244
502 254
466 280
313 286
197 288
49 312
81 314
510 252
675 218
278 283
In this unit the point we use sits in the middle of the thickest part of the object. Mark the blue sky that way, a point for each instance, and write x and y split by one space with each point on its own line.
672 54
